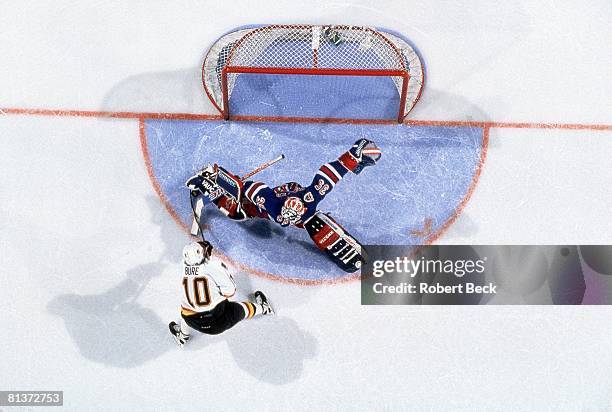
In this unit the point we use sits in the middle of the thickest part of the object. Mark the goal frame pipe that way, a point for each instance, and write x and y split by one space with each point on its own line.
314 71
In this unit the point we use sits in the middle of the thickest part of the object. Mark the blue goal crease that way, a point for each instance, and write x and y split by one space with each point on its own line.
424 173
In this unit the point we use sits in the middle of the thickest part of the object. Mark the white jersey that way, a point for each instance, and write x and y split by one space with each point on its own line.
205 286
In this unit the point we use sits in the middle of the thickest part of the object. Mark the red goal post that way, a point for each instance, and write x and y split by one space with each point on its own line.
310 50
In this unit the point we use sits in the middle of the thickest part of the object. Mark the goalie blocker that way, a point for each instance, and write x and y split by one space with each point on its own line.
218 186
340 247
230 184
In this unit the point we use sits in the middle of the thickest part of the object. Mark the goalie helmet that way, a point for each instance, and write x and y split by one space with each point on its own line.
292 211
197 253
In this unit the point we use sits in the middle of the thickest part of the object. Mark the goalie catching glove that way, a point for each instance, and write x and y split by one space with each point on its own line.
362 154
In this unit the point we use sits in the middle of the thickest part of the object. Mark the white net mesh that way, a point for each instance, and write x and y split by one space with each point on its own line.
414 66
311 47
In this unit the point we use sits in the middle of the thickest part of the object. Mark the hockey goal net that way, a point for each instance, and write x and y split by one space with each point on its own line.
313 71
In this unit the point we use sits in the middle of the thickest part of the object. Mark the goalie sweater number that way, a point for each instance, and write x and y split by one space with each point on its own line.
201 293
260 202
321 187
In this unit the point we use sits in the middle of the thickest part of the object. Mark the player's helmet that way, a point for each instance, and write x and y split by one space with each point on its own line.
197 253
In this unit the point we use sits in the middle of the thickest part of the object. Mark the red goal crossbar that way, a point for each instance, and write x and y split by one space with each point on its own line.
313 71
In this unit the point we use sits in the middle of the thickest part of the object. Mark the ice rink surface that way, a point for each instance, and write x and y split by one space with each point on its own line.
90 256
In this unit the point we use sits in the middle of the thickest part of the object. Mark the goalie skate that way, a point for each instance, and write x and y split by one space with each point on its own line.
339 246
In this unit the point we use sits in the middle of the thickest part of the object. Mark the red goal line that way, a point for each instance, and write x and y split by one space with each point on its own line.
195 116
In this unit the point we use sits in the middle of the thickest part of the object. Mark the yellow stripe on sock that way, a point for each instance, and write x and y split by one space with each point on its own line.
251 309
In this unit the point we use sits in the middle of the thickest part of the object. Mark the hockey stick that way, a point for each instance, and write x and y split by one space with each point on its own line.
197 213
263 167
200 203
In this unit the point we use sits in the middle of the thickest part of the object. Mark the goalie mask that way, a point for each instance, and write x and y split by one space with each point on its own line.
197 253
292 211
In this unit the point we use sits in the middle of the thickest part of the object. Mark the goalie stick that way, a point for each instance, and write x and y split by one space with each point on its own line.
263 166
198 201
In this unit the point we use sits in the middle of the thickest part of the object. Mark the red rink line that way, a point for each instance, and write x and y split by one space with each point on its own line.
194 116
475 177
240 118
115 115
509 125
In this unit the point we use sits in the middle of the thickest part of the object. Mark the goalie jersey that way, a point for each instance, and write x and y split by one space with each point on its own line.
205 286
290 203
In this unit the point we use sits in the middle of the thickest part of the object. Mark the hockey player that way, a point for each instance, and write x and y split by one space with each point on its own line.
207 286
292 204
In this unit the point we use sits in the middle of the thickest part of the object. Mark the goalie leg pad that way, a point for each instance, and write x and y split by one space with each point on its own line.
339 246
230 208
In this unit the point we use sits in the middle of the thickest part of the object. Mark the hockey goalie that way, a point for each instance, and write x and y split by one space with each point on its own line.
291 204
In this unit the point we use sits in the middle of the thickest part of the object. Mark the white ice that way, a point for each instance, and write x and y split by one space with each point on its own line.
89 257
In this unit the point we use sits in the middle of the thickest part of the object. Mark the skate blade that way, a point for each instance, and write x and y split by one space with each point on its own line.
179 341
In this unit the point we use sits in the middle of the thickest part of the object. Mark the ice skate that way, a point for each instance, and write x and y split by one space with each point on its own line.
178 335
262 300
